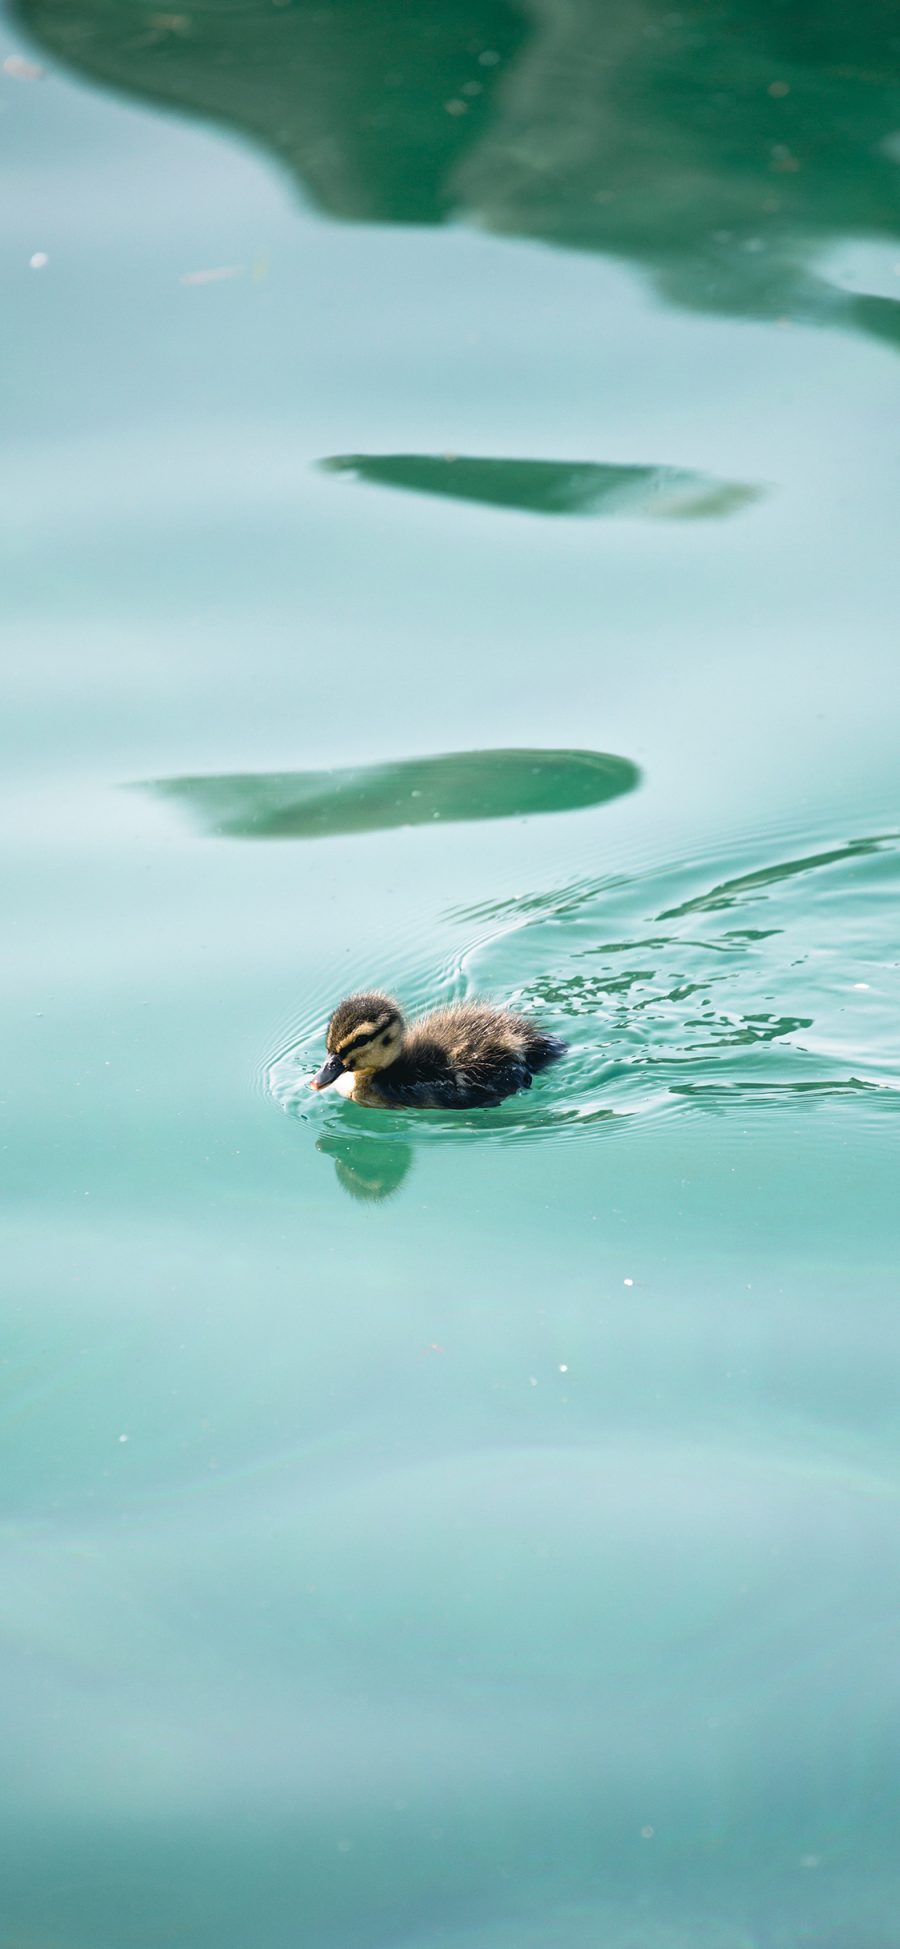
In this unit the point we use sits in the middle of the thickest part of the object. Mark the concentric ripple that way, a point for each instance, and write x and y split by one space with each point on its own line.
689 988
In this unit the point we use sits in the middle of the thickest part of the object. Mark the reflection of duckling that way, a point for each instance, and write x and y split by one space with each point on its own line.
467 1056
367 1167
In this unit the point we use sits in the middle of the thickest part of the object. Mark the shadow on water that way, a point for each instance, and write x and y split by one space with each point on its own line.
670 1007
552 486
722 150
454 786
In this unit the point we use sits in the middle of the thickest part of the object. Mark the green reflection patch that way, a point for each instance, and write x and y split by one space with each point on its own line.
454 786
552 486
721 151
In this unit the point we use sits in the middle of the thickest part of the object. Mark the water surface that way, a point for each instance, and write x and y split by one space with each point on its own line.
434 1531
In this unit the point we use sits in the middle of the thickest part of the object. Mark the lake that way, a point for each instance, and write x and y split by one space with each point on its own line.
449 544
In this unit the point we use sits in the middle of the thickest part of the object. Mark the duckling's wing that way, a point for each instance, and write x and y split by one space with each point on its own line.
482 1085
432 1083
437 1093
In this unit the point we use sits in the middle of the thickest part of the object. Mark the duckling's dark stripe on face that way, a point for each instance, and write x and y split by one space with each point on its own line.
369 1032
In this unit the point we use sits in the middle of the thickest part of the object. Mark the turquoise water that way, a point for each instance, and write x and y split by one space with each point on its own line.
449 543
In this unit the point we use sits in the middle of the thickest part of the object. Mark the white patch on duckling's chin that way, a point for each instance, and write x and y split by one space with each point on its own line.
343 1085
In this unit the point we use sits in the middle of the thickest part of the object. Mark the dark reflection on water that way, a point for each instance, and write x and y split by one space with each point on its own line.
552 486
719 149
453 786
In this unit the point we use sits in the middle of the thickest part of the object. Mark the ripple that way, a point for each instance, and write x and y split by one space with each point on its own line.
668 1006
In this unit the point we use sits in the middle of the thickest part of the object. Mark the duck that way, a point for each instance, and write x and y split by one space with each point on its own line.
465 1056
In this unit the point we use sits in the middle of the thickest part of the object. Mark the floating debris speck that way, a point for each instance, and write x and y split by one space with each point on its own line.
22 70
215 276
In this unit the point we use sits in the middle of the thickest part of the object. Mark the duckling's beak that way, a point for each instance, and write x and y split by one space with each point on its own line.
329 1073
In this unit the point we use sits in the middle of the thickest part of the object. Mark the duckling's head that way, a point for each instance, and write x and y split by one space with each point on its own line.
365 1033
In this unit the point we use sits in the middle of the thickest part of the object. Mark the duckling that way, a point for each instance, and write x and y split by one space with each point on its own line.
467 1056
